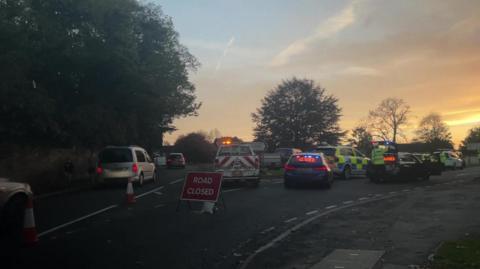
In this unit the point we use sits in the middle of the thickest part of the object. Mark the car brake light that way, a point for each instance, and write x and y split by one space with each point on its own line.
99 170
135 168
288 167
389 159
321 168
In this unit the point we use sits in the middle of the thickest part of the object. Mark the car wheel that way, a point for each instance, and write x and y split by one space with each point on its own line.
347 173
141 178
12 221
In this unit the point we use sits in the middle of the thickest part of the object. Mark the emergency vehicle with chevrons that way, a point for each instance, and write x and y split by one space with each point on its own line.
238 162
347 161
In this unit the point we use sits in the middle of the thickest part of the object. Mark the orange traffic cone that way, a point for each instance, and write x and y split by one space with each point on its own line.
130 194
29 231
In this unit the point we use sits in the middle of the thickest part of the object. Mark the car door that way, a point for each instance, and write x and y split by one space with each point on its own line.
362 162
149 164
408 165
141 161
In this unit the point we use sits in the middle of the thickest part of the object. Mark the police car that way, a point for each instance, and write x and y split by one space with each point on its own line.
347 161
450 159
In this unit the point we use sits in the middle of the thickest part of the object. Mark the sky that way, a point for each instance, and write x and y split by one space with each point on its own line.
361 51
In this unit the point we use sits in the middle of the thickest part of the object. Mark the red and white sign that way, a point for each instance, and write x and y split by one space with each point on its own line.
202 186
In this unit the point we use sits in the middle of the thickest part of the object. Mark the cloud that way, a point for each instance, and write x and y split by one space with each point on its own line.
225 51
325 30
360 71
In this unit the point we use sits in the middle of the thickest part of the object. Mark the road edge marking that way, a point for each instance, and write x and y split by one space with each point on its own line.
76 220
303 223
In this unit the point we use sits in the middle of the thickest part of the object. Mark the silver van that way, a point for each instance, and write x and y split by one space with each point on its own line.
121 163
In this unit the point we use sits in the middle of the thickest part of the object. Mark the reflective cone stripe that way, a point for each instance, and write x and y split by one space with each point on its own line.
29 231
130 194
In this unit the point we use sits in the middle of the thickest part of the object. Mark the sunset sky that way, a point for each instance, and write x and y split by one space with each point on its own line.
362 51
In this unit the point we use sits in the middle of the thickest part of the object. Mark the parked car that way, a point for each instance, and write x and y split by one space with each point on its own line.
13 199
176 160
238 163
308 168
124 162
431 161
285 153
348 160
160 159
450 160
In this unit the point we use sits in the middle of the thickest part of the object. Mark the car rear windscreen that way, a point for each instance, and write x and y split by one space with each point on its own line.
306 160
175 156
235 151
115 156
327 151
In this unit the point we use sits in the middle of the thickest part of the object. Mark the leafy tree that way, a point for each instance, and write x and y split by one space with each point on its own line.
434 132
297 113
195 147
472 137
388 119
361 139
91 73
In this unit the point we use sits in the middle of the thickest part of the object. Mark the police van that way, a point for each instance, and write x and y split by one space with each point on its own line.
238 162
347 161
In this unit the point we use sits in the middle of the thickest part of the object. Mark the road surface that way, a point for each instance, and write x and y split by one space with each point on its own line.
97 229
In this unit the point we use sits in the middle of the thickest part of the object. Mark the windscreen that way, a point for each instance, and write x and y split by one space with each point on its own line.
235 150
114 155
175 156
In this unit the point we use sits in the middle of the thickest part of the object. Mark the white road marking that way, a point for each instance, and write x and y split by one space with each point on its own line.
290 220
231 190
160 205
362 198
176 181
338 267
392 192
406 190
278 182
347 202
158 193
285 234
268 230
461 174
76 220
330 207
150 191
311 212
378 195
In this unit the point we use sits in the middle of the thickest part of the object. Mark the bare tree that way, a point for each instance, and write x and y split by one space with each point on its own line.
389 118
432 128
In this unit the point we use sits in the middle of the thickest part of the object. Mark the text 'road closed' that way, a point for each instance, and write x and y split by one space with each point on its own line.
202 186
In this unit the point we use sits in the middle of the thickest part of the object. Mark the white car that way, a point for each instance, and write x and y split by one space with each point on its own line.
121 163
451 160
238 163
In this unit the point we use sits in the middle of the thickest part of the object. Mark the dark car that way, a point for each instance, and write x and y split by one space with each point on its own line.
411 167
308 168
285 153
176 160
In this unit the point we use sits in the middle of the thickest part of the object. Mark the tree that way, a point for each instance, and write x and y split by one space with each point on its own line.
361 139
434 132
472 137
195 147
297 113
90 73
388 119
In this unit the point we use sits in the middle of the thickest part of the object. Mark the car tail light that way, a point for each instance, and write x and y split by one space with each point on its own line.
321 168
135 168
389 159
99 169
288 167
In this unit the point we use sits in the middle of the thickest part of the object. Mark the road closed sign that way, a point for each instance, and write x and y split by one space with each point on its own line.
202 186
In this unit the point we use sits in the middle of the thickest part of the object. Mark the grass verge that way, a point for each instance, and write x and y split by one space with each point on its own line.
460 254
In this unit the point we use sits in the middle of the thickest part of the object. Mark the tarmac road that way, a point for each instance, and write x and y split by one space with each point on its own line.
97 229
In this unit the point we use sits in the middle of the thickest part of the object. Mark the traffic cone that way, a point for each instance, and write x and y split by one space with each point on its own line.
29 231
130 194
